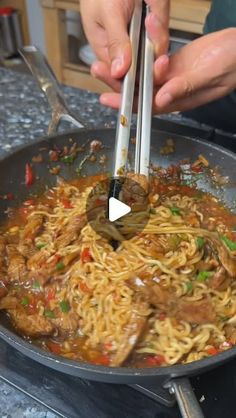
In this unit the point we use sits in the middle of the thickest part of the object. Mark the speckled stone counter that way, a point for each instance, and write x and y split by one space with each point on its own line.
24 116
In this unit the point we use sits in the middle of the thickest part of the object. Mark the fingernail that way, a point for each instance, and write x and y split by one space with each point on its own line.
164 100
116 65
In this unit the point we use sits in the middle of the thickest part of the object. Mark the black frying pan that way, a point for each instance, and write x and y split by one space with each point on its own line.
12 180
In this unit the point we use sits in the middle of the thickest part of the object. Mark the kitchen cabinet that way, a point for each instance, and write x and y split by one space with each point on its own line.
21 6
186 15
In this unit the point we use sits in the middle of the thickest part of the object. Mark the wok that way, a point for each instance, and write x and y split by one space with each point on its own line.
12 170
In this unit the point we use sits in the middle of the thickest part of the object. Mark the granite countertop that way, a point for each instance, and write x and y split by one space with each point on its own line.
24 116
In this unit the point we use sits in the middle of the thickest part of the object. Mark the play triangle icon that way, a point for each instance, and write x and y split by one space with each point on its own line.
117 209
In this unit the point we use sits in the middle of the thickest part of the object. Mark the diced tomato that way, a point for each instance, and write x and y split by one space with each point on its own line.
103 360
54 347
192 220
156 360
29 202
9 196
32 308
29 175
162 316
197 168
108 346
84 288
23 212
66 203
86 255
99 202
50 294
53 155
55 260
212 351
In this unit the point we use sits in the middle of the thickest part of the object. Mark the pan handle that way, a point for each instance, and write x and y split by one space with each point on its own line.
47 81
185 397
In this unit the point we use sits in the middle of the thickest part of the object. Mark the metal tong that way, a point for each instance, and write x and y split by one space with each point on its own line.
142 60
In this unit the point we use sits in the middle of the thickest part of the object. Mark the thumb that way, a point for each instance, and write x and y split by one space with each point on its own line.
119 47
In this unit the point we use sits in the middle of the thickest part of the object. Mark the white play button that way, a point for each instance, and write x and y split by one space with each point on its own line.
117 209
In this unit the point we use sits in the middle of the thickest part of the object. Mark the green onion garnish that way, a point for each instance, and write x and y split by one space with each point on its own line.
175 211
200 241
152 211
36 285
64 305
41 245
68 159
230 244
48 313
203 275
189 286
25 301
60 266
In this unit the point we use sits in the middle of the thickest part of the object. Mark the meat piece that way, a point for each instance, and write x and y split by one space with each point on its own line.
2 245
228 260
2 258
230 332
67 323
141 179
32 228
3 290
38 260
153 292
27 248
218 278
31 325
67 259
42 276
71 231
134 190
9 302
132 333
195 312
17 270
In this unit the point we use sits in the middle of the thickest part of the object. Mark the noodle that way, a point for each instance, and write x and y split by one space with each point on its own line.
143 293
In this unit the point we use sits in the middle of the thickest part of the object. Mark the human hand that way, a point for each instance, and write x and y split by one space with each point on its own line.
105 24
198 73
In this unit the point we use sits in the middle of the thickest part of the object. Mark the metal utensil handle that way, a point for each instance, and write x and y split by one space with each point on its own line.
143 135
185 397
43 73
126 107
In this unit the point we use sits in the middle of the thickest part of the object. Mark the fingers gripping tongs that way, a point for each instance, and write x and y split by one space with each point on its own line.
142 60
